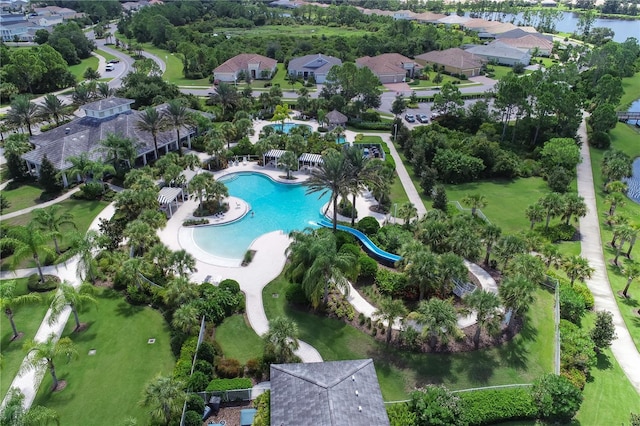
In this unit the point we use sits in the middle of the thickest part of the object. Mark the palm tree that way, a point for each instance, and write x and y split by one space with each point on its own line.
82 94
165 397
476 201
624 233
633 236
551 255
574 205
103 90
535 213
179 291
288 161
100 168
84 246
182 263
507 247
615 200
226 96
51 220
14 412
228 133
200 185
282 339
48 351
552 204
151 121
141 236
407 211
517 294
361 173
529 266
119 149
28 241
631 271
185 318
330 177
80 165
23 112
178 116
53 109
9 300
438 319
420 265
486 305
75 298
490 235
389 310
450 267
577 268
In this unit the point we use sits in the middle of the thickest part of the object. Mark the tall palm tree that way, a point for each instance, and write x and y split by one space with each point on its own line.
141 236
631 271
23 112
178 116
574 205
490 235
420 266
103 90
214 145
288 161
438 319
389 310
486 305
179 291
361 173
186 318
81 166
199 186
577 268
84 246
52 108
151 121
407 211
15 413
517 294
450 266
476 201
551 255
75 298
48 351
624 233
552 204
633 236
51 220
282 339
226 96
228 133
28 241
164 396
119 149
9 299
182 263
508 247
82 94
535 213
331 177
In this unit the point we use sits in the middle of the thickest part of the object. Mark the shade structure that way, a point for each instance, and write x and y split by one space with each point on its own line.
312 160
272 154
167 196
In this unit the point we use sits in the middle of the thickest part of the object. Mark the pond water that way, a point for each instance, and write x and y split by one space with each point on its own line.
633 183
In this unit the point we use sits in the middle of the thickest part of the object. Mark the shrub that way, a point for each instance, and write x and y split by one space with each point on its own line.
350 248
346 209
203 366
559 232
556 398
603 332
195 403
576 348
192 418
575 376
400 415
263 409
206 352
229 384
50 283
586 294
90 191
194 222
371 125
497 405
229 368
600 140
343 238
572 304
368 267
361 318
255 368
230 285
295 294
368 225
198 381
136 296
410 339
182 369
390 283
436 405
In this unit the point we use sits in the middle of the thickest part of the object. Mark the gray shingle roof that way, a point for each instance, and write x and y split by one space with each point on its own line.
104 104
317 63
326 394
498 49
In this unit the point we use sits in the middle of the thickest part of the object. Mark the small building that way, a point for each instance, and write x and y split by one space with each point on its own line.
453 61
453 20
390 67
501 53
335 118
334 393
316 66
258 67
532 43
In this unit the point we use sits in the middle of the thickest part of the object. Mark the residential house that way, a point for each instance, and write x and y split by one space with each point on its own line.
63 12
501 53
523 31
429 17
453 61
406 15
334 393
258 67
453 20
18 30
312 65
539 45
84 135
390 67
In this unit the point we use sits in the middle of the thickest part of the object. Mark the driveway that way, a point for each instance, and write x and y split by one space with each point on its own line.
403 88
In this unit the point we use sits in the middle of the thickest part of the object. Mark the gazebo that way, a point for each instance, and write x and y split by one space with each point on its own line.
335 118
307 160
168 196
272 155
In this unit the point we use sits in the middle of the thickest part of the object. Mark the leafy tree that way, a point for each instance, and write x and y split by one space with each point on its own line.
389 311
14 146
51 220
9 300
448 101
119 149
556 398
281 341
141 236
103 90
75 298
47 351
438 319
330 177
551 255
508 247
179 291
436 405
164 396
603 331
70 34
603 118
23 112
563 152
486 305
399 105
440 201
199 186
49 177
153 122
530 266
616 165
14 412
28 241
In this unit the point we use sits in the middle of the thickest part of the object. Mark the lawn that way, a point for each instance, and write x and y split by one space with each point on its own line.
107 387
27 319
107 56
79 69
173 72
624 138
529 355
238 340
21 197
397 193
429 83
631 86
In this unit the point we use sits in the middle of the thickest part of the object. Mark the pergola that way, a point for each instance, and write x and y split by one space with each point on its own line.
168 196
272 155
310 160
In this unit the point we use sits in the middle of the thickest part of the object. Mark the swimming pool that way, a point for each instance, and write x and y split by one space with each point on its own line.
287 127
275 206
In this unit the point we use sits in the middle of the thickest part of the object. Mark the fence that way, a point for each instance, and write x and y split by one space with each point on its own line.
228 395
478 211
553 283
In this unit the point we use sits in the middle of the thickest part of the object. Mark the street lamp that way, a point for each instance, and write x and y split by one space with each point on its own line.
395 132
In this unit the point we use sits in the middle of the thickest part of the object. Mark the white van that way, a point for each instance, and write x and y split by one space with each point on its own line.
109 67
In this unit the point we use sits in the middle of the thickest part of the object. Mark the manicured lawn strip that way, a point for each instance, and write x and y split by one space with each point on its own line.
107 56
430 83
519 361
173 71
280 78
27 318
238 340
24 196
631 86
109 384
79 69
623 138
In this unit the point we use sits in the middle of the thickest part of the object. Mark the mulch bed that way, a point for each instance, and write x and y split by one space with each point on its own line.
230 413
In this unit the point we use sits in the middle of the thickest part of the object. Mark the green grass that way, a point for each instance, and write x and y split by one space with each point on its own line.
500 71
430 83
107 56
79 69
624 138
106 387
520 361
238 340
631 86
27 319
21 197
173 72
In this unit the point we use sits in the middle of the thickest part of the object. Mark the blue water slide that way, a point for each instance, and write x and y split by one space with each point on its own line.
366 242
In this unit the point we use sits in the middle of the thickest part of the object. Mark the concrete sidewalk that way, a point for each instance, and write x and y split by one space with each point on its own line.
623 347
63 197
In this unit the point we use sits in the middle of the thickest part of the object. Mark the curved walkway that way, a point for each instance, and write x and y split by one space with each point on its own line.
623 347
63 197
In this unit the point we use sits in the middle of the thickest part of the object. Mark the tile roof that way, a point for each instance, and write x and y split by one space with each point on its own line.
453 19
454 57
528 42
319 63
242 61
327 394
385 64
498 49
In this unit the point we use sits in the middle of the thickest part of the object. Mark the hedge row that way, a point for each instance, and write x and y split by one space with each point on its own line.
182 369
364 125
497 405
229 384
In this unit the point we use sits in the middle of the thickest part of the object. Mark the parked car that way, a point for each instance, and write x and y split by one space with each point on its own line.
109 67
114 61
410 118
422 118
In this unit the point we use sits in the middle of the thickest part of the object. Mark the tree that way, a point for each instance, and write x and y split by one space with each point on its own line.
281 341
577 268
614 199
14 412
75 298
288 161
552 204
119 149
407 211
185 318
436 405
9 300
574 205
490 235
49 177
91 74
508 247
51 220
420 266
624 233
330 177
52 108
616 165
23 112
200 185
153 122
440 201
361 173
178 116
141 236
551 255
178 292
448 101
164 396
399 105
517 294
556 398
388 311
83 93
476 201
603 331
562 152
182 263
631 271
14 146
47 351
226 96
603 118
83 245
486 305
103 90
28 241
438 319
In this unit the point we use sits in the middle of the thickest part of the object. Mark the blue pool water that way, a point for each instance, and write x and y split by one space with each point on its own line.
287 127
276 206
341 140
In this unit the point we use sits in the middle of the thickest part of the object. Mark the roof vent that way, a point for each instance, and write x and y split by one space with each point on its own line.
353 378
67 130
356 393
360 408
